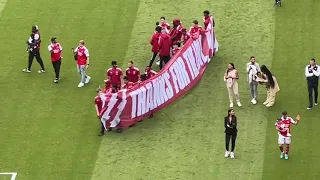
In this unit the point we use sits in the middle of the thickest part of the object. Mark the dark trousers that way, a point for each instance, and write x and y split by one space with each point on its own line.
56 66
102 129
153 58
232 137
35 54
313 88
164 60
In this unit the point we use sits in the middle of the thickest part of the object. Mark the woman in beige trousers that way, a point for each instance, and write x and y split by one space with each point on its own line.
271 84
231 78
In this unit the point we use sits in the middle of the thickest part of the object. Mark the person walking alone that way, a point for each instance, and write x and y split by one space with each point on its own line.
83 59
55 49
271 83
252 70
231 131
34 50
312 73
231 78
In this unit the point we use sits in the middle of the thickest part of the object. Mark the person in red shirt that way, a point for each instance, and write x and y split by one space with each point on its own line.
185 35
175 32
98 105
132 73
107 87
83 59
195 28
164 25
155 44
56 55
126 83
206 19
149 72
164 48
115 74
175 49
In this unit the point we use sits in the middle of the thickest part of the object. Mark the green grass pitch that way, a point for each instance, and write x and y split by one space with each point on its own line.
49 131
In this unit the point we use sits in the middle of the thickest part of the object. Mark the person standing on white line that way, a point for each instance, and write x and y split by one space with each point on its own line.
83 59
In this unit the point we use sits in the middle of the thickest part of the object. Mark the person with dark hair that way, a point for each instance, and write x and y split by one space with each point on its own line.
283 126
34 49
98 105
155 44
107 87
231 78
277 3
312 73
176 32
142 78
164 25
175 48
271 83
185 35
126 83
132 73
252 69
149 72
56 56
114 74
206 19
231 131
195 28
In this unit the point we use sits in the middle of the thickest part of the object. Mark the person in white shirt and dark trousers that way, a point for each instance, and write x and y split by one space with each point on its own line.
312 73
252 69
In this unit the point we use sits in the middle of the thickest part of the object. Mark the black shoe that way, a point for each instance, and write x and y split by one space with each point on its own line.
110 129
151 116
119 130
56 80
101 134
132 125
310 107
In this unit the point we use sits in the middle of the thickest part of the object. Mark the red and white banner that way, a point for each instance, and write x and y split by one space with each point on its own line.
179 75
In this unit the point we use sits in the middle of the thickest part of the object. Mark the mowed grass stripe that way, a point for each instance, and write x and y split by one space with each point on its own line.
51 129
186 140
295 44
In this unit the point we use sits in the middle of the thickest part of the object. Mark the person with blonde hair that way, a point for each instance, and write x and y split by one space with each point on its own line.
231 78
271 83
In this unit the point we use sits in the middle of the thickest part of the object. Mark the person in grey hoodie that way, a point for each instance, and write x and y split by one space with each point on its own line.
252 69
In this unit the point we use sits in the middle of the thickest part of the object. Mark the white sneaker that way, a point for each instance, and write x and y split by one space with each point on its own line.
158 63
41 71
269 105
239 104
26 70
231 105
88 79
81 84
232 155
226 154
254 101
265 103
56 80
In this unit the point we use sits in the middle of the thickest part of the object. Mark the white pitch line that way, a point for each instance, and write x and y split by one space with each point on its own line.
13 174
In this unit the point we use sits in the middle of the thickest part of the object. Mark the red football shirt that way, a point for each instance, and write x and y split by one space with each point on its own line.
114 75
286 126
55 50
175 50
98 102
82 55
185 38
165 26
194 29
150 74
133 74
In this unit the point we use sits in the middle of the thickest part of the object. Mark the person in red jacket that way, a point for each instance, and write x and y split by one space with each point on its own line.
155 44
149 72
164 48
175 32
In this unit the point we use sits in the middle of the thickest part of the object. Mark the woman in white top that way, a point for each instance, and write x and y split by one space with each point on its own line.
231 78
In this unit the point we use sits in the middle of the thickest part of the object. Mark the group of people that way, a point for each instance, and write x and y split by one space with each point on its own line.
256 75
165 43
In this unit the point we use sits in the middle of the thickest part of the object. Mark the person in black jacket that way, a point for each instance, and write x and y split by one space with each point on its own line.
230 124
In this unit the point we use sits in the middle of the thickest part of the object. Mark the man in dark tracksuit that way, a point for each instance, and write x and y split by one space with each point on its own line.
34 50
312 73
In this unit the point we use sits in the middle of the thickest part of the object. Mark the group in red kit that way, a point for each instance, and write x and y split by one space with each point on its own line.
166 41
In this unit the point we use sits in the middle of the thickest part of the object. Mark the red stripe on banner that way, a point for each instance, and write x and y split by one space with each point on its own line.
179 75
